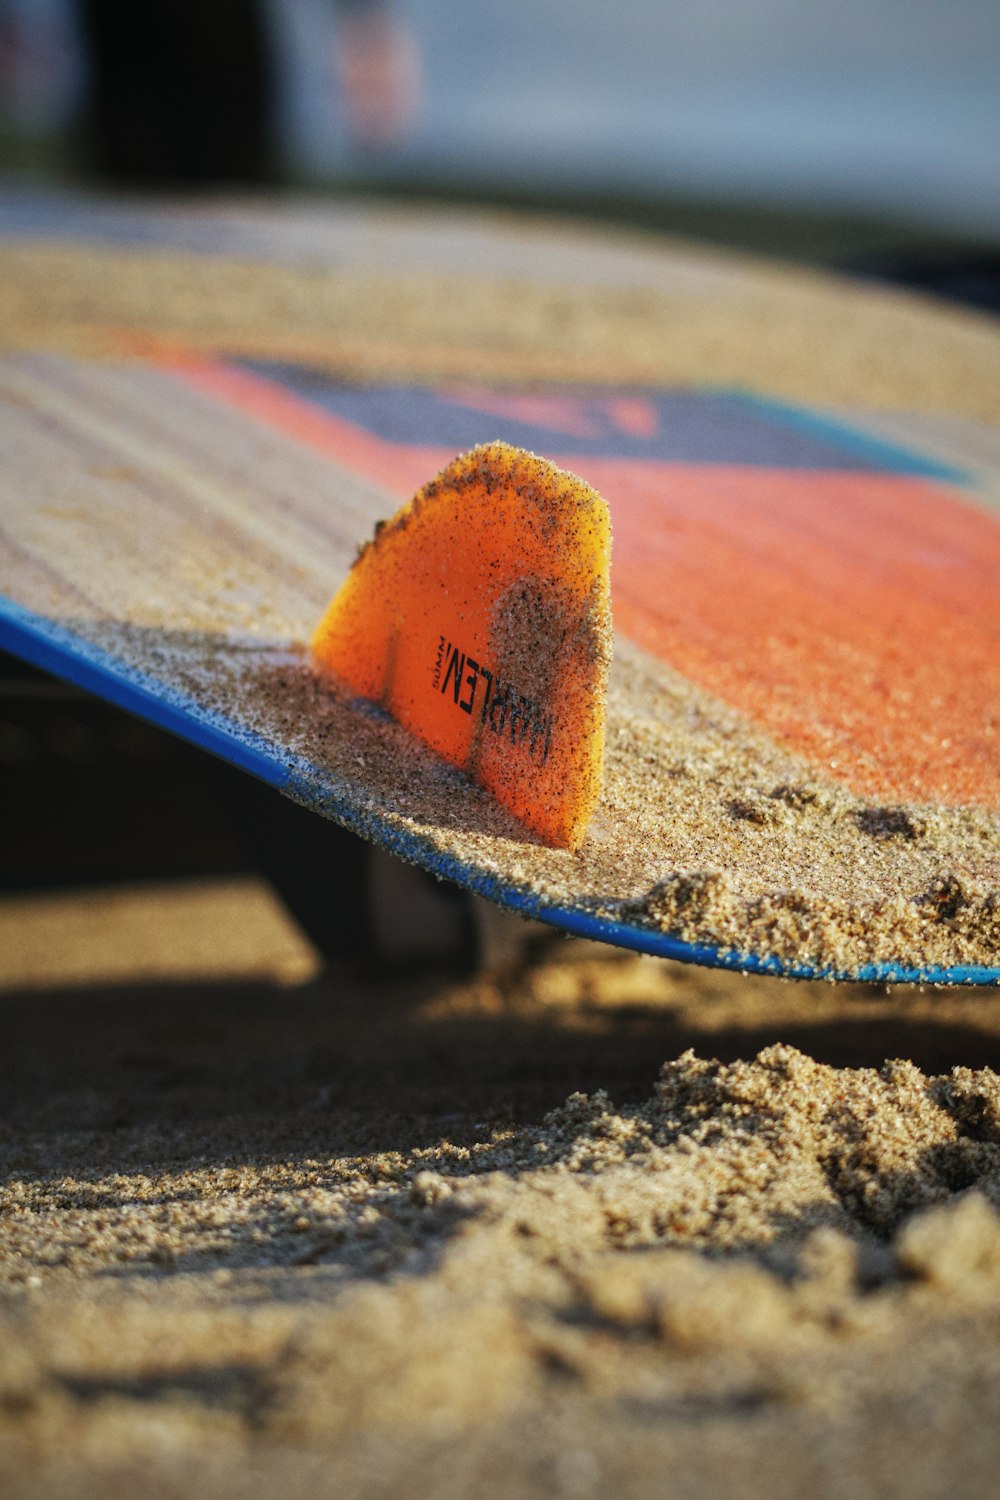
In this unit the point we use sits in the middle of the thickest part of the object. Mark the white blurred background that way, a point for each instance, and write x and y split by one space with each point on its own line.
883 105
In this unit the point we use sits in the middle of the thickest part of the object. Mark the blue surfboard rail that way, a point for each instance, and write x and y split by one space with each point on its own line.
67 656
54 649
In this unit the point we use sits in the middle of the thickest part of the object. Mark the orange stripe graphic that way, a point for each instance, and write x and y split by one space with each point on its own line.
854 616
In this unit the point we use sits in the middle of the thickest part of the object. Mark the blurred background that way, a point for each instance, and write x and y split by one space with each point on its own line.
865 132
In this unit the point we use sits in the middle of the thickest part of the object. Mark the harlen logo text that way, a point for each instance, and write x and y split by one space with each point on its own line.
508 713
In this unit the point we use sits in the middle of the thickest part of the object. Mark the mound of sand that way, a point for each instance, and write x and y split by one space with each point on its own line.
331 1240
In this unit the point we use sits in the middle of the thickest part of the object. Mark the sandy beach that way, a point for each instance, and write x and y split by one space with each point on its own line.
589 1224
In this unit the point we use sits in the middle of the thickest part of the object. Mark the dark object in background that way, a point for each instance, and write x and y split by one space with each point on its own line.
182 92
91 796
973 278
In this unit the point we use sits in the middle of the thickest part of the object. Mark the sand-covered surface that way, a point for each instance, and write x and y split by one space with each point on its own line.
187 542
706 829
661 311
514 1235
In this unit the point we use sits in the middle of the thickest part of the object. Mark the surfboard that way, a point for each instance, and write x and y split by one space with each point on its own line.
206 410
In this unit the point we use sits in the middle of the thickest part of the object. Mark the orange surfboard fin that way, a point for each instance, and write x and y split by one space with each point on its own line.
480 618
